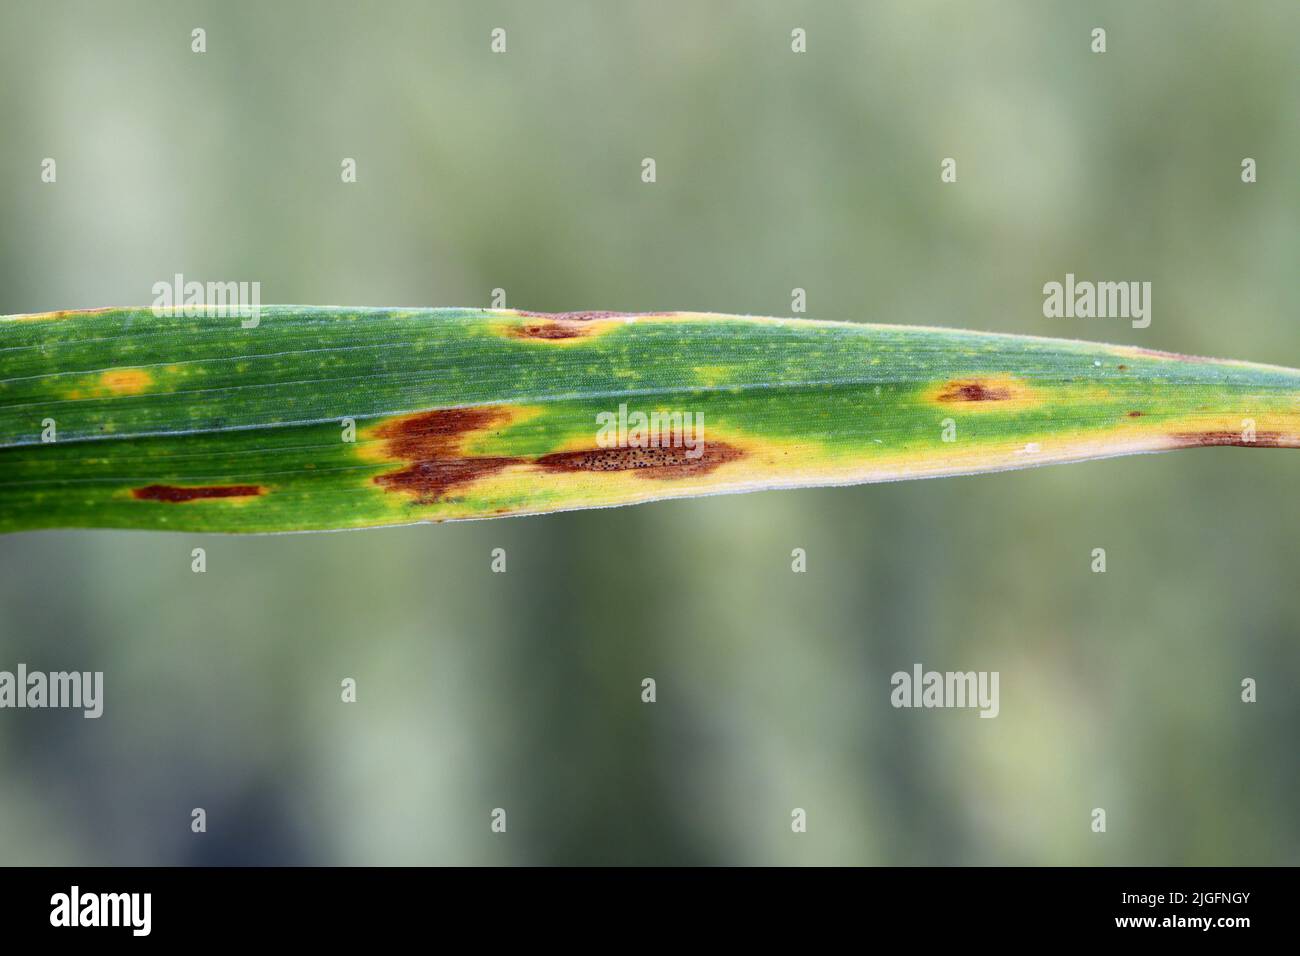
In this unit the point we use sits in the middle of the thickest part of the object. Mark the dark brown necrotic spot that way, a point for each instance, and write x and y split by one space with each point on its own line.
1134 414
567 325
431 442
549 330
664 463
431 480
177 493
1261 440
973 392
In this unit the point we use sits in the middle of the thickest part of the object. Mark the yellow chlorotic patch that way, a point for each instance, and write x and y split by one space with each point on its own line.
1280 429
755 463
559 329
712 375
54 316
126 381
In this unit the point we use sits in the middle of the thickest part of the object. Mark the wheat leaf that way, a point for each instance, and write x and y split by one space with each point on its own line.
322 418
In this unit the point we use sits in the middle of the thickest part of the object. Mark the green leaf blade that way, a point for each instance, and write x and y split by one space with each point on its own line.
195 423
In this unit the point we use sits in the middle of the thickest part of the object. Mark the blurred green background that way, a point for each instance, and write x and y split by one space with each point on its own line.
775 170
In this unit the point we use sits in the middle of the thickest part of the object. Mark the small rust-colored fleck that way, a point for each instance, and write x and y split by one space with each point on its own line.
178 493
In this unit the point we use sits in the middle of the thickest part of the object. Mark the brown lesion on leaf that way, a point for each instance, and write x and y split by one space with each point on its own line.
1240 439
974 391
179 493
437 466
990 391
549 330
568 326
1134 414
661 463
432 443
